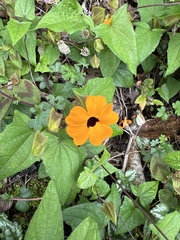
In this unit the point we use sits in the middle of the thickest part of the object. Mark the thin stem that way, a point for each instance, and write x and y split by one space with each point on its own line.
129 196
14 99
25 199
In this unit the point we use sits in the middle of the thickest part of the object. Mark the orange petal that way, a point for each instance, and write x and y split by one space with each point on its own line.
95 105
77 116
80 134
99 133
108 116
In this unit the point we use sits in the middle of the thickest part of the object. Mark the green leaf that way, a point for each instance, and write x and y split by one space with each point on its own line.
131 217
66 16
26 91
148 13
15 58
120 37
25 9
173 53
159 169
23 206
163 91
159 211
97 86
176 107
16 144
47 221
73 216
114 197
173 86
86 179
173 159
116 130
108 62
17 29
168 226
147 40
146 192
123 77
86 230
28 43
9 230
62 162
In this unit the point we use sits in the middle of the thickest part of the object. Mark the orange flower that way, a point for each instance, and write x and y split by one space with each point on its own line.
108 21
124 123
91 123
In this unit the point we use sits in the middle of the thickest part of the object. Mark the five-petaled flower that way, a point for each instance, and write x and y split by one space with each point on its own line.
92 123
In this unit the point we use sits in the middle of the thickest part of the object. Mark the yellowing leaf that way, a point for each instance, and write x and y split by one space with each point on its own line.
54 121
141 101
109 210
38 144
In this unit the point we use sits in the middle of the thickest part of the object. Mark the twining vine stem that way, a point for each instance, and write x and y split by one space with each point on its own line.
129 196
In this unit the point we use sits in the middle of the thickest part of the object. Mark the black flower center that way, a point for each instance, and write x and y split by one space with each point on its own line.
92 121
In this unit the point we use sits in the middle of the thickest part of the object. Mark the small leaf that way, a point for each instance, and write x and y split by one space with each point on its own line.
159 169
23 206
109 210
146 192
95 61
176 181
10 230
159 211
86 230
86 179
98 14
54 121
141 100
24 9
164 92
173 159
38 144
176 107
17 29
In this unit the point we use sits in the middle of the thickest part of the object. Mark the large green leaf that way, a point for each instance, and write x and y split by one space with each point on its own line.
15 146
131 217
17 29
28 43
120 37
169 225
147 40
173 53
108 62
97 86
47 221
123 77
148 13
73 216
25 9
62 162
66 16
86 230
